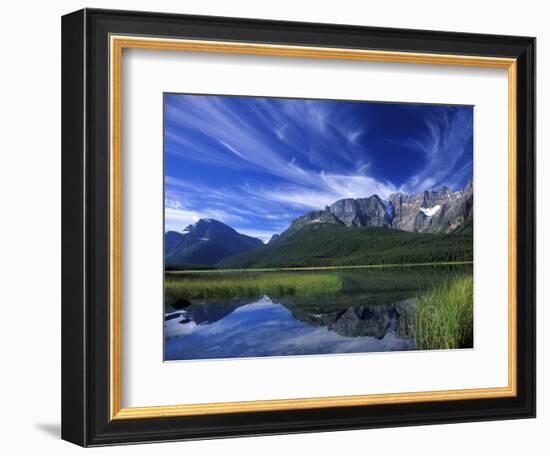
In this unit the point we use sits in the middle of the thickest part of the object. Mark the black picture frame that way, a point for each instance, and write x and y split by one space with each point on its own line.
85 225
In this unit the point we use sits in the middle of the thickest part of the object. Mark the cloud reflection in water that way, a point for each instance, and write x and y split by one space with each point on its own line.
264 328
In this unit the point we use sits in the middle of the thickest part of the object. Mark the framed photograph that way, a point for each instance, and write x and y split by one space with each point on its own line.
278 227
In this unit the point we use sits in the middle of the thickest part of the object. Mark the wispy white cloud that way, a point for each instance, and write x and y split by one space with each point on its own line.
177 217
186 203
442 146
256 142
264 235
354 135
298 197
357 186
329 188
280 157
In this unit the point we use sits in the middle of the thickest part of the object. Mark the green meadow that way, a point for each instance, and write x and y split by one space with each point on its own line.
251 285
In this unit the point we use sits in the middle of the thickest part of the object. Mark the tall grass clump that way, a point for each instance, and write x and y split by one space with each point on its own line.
246 285
444 315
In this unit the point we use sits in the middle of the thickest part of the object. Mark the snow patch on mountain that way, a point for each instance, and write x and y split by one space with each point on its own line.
429 211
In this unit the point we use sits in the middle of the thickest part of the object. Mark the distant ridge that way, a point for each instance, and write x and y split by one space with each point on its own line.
205 243
327 244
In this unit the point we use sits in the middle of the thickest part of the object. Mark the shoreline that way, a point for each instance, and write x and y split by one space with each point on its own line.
318 268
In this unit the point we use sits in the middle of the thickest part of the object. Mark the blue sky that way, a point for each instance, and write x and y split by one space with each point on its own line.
256 163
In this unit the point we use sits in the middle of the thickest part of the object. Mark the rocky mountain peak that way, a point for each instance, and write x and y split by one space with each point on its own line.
369 211
204 227
205 242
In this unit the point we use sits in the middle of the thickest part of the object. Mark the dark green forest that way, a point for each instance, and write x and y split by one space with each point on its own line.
335 245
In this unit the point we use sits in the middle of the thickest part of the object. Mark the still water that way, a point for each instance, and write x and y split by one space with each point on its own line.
374 313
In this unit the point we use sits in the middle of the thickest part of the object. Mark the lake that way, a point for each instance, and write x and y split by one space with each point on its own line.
344 311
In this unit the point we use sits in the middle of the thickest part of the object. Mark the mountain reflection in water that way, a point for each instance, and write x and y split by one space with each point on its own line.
289 326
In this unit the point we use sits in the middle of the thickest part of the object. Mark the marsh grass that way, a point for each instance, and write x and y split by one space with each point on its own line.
444 315
277 284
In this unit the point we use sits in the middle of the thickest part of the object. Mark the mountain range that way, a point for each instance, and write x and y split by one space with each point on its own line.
420 227
440 211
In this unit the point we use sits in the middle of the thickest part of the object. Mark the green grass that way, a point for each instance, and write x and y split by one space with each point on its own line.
339 286
444 315
276 284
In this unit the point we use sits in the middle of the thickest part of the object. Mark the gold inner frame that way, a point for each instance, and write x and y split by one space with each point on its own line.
117 44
